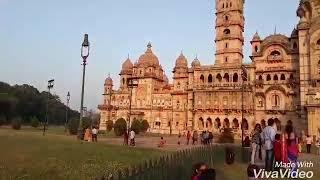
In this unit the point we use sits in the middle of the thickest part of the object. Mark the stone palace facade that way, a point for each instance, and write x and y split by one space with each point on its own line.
281 82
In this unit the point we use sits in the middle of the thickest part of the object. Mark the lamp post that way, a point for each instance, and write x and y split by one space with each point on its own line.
50 86
84 54
67 109
131 84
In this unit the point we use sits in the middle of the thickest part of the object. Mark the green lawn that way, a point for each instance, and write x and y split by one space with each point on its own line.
26 154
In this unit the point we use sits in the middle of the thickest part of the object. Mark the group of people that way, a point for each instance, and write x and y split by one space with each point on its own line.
202 172
129 138
206 137
274 147
91 134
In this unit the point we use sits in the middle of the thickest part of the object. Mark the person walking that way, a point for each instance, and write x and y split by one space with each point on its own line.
94 134
188 137
309 143
268 136
125 138
194 137
132 136
255 142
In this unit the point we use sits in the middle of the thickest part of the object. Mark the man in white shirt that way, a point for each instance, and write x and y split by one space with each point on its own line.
132 136
268 136
94 134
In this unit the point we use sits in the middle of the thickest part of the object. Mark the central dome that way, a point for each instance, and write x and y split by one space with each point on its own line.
148 58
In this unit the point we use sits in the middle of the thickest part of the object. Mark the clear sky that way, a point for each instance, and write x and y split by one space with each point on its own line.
41 39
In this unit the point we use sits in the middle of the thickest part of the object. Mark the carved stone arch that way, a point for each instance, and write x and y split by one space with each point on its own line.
261 94
285 47
278 88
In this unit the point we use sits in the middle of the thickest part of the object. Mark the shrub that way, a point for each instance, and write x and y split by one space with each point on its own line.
16 123
226 136
144 125
136 126
109 125
73 125
3 120
120 127
35 122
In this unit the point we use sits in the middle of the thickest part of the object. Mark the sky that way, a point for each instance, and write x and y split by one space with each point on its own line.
41 39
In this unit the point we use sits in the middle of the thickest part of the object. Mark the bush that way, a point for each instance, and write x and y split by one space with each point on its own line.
16 123
120 127
3 120
109 125
144 125
226 136
35 122
136 126
73 125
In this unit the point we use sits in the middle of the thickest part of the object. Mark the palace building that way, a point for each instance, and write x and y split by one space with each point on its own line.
281 82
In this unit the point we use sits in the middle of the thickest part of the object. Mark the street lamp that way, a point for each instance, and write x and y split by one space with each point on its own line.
84 54
131 85
67 109
50 86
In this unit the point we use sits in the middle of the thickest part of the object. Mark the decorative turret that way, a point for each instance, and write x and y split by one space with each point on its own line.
181 61
196 63
108 84
127 67
255 42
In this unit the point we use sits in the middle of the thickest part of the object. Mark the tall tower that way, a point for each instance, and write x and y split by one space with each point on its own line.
229 32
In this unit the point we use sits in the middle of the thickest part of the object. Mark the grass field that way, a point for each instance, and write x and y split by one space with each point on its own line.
26 154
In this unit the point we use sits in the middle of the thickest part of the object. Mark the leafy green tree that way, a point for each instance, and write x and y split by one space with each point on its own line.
73 125
16 123
120 127
144 125
136 126
109 125
35 122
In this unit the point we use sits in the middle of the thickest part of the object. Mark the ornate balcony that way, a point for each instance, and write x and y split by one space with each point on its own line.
275 58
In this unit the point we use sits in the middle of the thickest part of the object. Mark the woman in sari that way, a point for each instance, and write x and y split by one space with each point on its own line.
292 148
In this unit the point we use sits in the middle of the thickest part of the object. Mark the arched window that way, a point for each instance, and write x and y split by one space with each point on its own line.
226 59
202 78
275 100
275 53
260 102
227 5
260 78
226 31
318 42
225 101
275 77
319 67
178 85
227 45
291 76
235 124
256 48
217 123
210 79
268 77
235 77
245 124
295 46
230 4
123 81
219 77
226 123
209 123
223 5
226 77
226 18
201 123
283 77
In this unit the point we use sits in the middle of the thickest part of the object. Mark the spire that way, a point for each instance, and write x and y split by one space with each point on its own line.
109 75
181 53
128 56
275 29
149 45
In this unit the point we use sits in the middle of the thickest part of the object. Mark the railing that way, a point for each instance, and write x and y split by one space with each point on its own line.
173 166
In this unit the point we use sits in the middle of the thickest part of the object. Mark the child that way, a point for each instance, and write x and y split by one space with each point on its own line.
318 146
162 142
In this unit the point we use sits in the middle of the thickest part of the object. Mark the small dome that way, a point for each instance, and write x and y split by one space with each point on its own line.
108 81
196 63
181 61
294 33
148 58
256 37
127 64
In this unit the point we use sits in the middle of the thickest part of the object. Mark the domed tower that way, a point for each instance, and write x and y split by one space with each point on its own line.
255 43
294 40
108 85
126 72
229 32
180 73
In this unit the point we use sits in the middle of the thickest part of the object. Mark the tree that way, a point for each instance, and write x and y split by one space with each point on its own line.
226 136
144 125
35 122
136 126
120 127
73 125
109 125
16 123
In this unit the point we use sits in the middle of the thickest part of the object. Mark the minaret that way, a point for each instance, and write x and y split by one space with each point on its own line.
229 32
